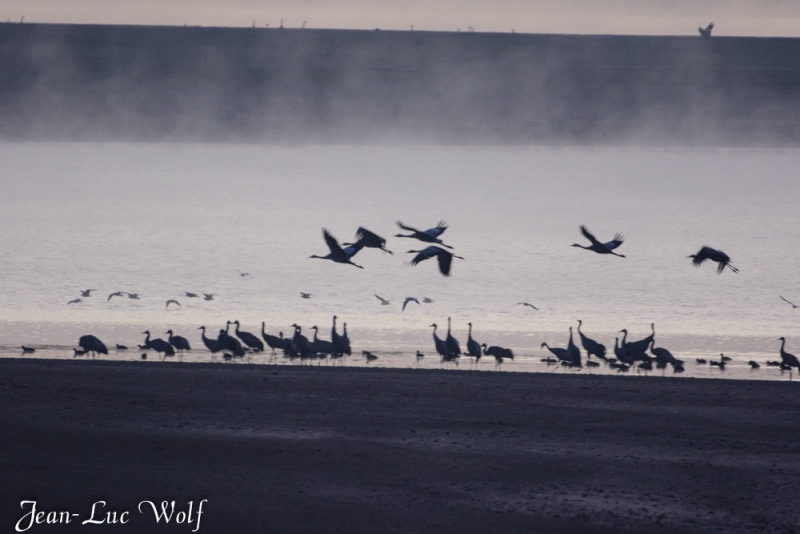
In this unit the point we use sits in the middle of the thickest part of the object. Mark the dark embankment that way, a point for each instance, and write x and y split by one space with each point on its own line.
128 83
321 449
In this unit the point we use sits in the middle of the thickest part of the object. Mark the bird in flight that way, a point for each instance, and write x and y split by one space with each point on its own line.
708 253
305 295
409 299
191 295
116 294
243 274
87 292
792 303
75 301
426 300
706 32
527 304
368 239
134 296
208 296
384 302
337 254
444 257
597 246
173 301
431 235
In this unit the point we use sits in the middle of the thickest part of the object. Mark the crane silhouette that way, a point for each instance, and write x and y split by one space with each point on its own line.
365 238
384 302
592 347
664 356
337 339
337 254
90 343
179 342
273 342
573 351
249 339
441 346
345 340
787 359
409 299
115 294
87 292
321 346
705 33
173 301
794 306
300 341
635 348
158 345
444 257
74 301
708 253
452 343
527 304
431 235
230 343
499 353
621 353
208 296
473 348
562 354
191 295
598 247
212 345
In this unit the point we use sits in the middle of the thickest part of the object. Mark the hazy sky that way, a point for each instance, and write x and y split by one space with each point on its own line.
670 17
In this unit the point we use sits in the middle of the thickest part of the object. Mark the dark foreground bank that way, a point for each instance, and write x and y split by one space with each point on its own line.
157 83
311 450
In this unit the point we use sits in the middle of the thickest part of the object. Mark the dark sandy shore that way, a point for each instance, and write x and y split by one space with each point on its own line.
306 449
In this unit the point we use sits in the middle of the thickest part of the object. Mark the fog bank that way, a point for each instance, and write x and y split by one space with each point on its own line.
149 83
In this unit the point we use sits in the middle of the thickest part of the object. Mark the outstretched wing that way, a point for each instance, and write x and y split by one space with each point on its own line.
445 260
438 230
588 235
404 227
369 237
617 241
336 250
792 303
702 256
424 255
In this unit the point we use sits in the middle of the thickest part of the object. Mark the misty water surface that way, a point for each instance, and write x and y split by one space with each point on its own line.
160 220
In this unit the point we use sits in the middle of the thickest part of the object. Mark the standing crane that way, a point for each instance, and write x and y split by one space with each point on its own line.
452 343
592 347
249 339
212 345
179 342
441 346
573 351
473 348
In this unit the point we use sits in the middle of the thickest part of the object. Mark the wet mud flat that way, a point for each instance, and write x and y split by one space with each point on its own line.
306 449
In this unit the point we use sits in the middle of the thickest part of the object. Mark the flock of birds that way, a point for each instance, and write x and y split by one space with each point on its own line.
643 353
368 239
85 293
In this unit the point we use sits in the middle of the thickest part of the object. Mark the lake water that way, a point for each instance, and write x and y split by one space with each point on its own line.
160 220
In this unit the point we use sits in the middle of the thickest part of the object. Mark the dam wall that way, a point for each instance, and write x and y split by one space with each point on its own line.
196 84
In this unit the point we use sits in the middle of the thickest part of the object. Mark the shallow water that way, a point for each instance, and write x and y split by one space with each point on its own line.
160 220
